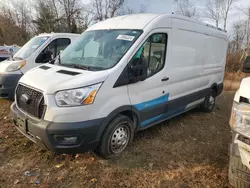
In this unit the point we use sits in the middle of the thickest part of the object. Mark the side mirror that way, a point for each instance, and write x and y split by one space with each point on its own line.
44 57
246 65
138 72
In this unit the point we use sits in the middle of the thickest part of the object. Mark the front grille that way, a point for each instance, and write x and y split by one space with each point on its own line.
34 106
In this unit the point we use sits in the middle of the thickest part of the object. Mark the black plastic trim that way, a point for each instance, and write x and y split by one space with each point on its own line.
43 132
154 111
219 88
178 103
123 78
115 113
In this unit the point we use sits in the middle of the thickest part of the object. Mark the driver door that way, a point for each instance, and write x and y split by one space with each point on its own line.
149 96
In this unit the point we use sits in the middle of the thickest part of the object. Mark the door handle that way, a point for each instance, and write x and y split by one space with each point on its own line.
165 79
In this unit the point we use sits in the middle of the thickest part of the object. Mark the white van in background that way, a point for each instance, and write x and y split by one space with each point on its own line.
39 50
8 51
239 165
123 75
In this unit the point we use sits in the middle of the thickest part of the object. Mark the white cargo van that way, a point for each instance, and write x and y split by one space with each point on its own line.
123 75
239 165
39 50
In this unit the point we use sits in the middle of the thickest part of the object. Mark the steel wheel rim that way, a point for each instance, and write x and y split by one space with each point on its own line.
211 102
119 139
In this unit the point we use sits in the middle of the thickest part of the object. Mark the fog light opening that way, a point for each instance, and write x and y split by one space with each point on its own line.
68 140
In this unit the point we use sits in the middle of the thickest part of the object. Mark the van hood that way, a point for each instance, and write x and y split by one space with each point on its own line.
5 64
244 89
52 78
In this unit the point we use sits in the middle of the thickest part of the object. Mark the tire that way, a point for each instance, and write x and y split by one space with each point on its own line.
238 174
209 102
117 136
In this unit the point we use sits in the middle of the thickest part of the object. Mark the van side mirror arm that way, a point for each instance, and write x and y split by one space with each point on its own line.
137 73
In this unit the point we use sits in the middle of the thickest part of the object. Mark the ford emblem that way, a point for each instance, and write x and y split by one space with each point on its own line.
25 98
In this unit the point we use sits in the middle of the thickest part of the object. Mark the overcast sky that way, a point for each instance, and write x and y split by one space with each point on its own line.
168 6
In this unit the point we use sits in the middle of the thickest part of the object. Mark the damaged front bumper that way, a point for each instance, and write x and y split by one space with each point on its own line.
240 147
240 125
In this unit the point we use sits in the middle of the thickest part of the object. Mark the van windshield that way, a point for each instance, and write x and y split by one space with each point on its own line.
99 49
30 47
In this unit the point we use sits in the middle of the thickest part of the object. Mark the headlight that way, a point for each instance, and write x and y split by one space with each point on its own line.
15 66
240 118
77 97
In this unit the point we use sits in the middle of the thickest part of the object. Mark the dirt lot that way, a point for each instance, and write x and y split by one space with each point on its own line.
188 151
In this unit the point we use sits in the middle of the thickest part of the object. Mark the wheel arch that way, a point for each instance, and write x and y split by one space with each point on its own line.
217 88
128 111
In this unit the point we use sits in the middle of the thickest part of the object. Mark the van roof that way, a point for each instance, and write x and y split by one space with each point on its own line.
58 34
141 21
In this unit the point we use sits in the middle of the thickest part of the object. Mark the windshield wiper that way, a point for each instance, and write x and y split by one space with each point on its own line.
83 67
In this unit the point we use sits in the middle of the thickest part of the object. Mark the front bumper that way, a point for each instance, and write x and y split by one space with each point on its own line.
8 83
240 147
47 133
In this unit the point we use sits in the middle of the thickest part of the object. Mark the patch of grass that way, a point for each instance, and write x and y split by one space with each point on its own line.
232 80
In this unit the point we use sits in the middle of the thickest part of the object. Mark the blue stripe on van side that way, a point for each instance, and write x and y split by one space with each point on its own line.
152 103
165 116
151 120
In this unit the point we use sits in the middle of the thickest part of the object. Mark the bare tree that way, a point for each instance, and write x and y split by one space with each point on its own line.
71 10
46 20
10 33
186 8
239 34
248 31
246 50
16 14
225 9
55 8
104 9
143 8
129 10
213 11
217 10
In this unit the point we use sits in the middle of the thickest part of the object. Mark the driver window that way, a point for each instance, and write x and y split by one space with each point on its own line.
47 54
52 50
157 55
152 54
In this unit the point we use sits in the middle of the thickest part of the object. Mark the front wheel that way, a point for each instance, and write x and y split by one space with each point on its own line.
209 102
117 136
